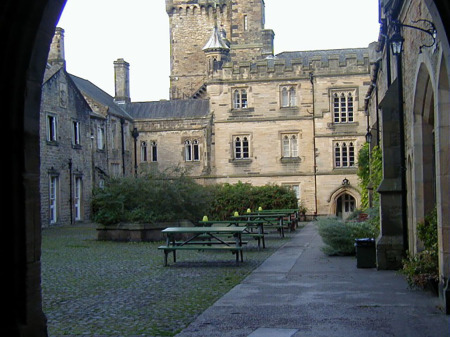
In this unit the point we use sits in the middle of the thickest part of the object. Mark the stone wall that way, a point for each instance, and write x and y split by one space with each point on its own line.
62 158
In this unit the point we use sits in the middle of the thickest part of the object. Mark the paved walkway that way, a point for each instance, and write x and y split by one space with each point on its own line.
301 292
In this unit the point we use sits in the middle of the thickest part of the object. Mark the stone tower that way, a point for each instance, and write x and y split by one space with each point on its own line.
191 23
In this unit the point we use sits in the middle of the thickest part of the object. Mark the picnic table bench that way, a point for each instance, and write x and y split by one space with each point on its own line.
292 214
203 239
275 220
248 224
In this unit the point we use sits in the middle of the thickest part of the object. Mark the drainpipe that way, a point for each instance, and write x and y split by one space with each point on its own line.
122 123
311 78
70 191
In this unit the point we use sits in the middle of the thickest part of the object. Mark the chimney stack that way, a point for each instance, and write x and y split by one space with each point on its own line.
56 54
122 81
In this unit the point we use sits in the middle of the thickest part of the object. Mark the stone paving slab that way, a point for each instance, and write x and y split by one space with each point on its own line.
301 290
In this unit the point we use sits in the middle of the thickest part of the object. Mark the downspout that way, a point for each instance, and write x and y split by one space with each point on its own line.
311 78
70 191
122 123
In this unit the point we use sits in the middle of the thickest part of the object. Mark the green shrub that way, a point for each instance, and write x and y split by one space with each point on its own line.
241 196
339 236
423 267
155 197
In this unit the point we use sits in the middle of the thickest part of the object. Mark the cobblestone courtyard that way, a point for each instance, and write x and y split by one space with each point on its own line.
94 288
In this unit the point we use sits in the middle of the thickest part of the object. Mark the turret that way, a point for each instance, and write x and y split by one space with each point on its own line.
217 50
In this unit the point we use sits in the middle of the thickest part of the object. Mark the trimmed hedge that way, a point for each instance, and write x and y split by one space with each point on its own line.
150 198
166 197
339 236
241 196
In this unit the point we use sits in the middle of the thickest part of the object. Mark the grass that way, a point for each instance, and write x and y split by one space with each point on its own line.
97 288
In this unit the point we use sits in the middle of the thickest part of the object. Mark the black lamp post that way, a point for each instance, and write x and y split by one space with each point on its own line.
368 137
135 134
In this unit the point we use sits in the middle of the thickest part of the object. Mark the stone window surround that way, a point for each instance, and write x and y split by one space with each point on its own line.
339 91
347 154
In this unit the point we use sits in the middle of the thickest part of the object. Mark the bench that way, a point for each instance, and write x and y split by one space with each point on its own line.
202 239
200 247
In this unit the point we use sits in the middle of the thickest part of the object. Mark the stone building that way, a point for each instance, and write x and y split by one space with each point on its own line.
408 106
29 29
237 113
240 113
84 138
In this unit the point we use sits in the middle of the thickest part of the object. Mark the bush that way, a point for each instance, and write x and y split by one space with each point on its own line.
241 196
150 198
339 236
422 268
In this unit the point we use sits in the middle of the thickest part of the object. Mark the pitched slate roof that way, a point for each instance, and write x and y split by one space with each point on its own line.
189 108
91 90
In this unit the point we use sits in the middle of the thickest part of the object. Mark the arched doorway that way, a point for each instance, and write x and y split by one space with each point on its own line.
345 205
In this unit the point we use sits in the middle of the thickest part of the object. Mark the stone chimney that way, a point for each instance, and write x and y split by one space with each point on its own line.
56 54
122 81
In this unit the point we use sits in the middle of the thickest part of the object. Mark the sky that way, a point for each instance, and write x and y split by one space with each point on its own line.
98 32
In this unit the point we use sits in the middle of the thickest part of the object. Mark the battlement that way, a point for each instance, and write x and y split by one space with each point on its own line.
298 64
189 7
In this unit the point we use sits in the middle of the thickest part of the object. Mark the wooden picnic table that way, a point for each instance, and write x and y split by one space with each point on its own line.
247 224
203 238
291 213
271 219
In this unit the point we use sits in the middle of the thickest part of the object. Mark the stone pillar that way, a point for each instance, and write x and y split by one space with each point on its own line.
122 81
390 243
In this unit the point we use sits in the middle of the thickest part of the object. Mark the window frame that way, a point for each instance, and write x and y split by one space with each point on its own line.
144 151
295 187
240 98
76 133
100 138
292 149
242 147
344 154
154 151
191 150
52 127
343 109
77 197
53 198
288 96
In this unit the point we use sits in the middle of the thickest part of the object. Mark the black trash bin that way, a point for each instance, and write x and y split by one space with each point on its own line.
365 253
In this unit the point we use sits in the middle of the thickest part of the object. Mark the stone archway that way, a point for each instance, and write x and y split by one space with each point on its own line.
422 176
344 201
28 28
443 177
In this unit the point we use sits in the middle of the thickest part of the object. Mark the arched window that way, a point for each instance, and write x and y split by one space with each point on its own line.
344 155
191 150
288 97
343 107
240 99
241 147
290 146
187 150
144 152
154 149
